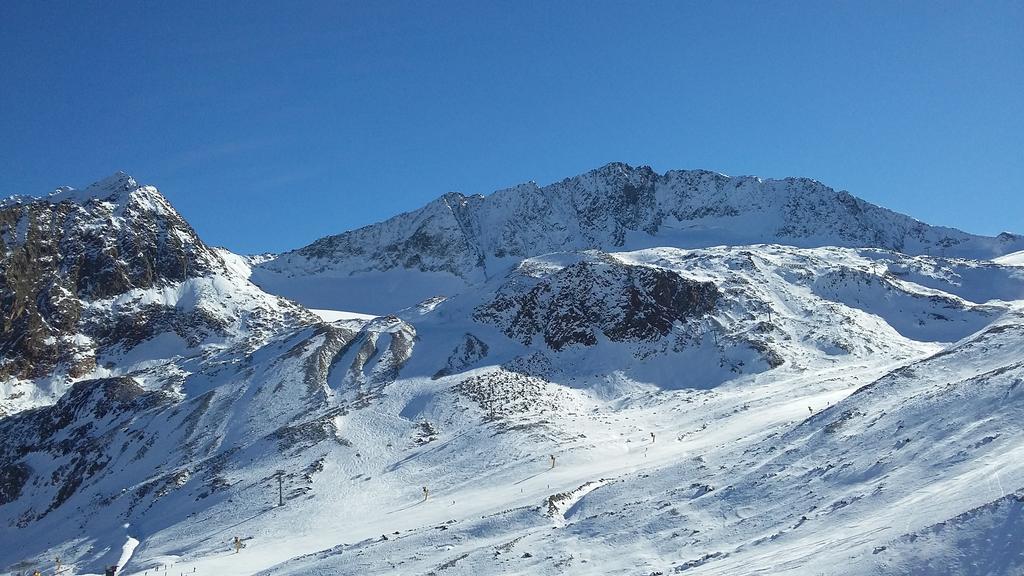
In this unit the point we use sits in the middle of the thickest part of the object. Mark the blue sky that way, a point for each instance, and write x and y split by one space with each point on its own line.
272 124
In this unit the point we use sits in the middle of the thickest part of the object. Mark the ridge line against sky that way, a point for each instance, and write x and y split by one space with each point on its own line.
273 126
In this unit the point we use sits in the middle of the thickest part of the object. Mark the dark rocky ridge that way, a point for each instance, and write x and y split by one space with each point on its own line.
73 247
74 433
620 301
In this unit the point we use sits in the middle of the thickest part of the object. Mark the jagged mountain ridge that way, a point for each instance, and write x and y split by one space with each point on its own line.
464 239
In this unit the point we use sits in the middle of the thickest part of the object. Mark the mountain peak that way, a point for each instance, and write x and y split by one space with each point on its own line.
615 167
73 248
622 168
116 182
112 185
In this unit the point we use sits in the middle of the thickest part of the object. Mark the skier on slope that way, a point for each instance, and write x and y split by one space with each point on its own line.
552 461
652 437
425 493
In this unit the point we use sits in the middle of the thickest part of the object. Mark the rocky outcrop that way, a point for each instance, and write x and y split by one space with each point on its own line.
73 437
79 246
597 297
370 360
470 351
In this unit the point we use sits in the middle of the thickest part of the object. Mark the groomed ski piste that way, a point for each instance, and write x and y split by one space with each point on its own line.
755 409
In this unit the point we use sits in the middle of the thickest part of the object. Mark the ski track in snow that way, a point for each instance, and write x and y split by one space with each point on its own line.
126 553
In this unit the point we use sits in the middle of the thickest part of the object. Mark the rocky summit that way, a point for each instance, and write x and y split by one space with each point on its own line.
623 372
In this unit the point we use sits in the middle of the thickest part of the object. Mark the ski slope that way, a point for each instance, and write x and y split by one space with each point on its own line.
611 446
621 485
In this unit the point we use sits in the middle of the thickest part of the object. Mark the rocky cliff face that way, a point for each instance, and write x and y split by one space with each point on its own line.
82 246
88 275
75 434
594 298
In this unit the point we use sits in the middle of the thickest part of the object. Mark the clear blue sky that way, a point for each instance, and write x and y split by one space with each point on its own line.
270 124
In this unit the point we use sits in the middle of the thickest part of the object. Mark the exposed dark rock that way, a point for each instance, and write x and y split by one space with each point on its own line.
467 353
74 247
75 434
302 435
598 297
12 480
502 394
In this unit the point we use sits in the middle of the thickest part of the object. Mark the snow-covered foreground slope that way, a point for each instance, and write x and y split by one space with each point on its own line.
793 411
899 477
460 240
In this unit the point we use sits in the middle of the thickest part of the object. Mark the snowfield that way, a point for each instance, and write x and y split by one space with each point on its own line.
767 408
1014 259
335 315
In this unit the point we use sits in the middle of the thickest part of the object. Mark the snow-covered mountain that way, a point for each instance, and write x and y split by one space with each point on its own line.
458 240
111 280
823 405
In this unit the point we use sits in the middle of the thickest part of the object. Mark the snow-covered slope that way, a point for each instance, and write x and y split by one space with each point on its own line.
459 239
470 403
1013 259
916 472
755 409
